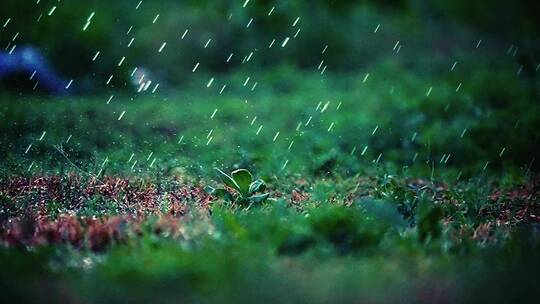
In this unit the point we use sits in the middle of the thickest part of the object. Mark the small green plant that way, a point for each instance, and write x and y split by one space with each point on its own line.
248 191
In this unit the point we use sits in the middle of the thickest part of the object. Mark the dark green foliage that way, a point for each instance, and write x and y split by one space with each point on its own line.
428 218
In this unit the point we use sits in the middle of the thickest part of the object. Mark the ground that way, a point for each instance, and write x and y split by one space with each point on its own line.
371 199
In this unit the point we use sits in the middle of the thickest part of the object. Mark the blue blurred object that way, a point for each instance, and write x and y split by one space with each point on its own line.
29 60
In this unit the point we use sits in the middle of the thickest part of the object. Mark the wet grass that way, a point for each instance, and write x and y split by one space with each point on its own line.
442 205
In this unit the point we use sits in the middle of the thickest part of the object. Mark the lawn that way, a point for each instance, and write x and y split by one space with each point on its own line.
394 175
97 208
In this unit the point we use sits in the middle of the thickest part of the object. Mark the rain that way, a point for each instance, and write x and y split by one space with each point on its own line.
239 150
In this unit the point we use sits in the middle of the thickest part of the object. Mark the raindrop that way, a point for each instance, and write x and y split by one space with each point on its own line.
285 42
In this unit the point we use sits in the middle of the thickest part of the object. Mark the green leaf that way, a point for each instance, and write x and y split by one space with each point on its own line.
227 180
243 178
259 198
209 189
223 194
257 186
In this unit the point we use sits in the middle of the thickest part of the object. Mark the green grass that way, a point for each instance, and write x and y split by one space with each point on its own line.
341 225
389 114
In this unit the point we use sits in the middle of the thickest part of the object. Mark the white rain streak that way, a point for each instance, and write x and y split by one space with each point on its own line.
103 166
51 11
184 34
308 121
365 78
88 21
478 44
284 43
121 60
7 22
121 115
195 67
162 47
285 164
325 106
324 49
330 127
290 145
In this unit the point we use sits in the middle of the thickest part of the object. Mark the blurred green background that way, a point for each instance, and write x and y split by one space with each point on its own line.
450 84
439 28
